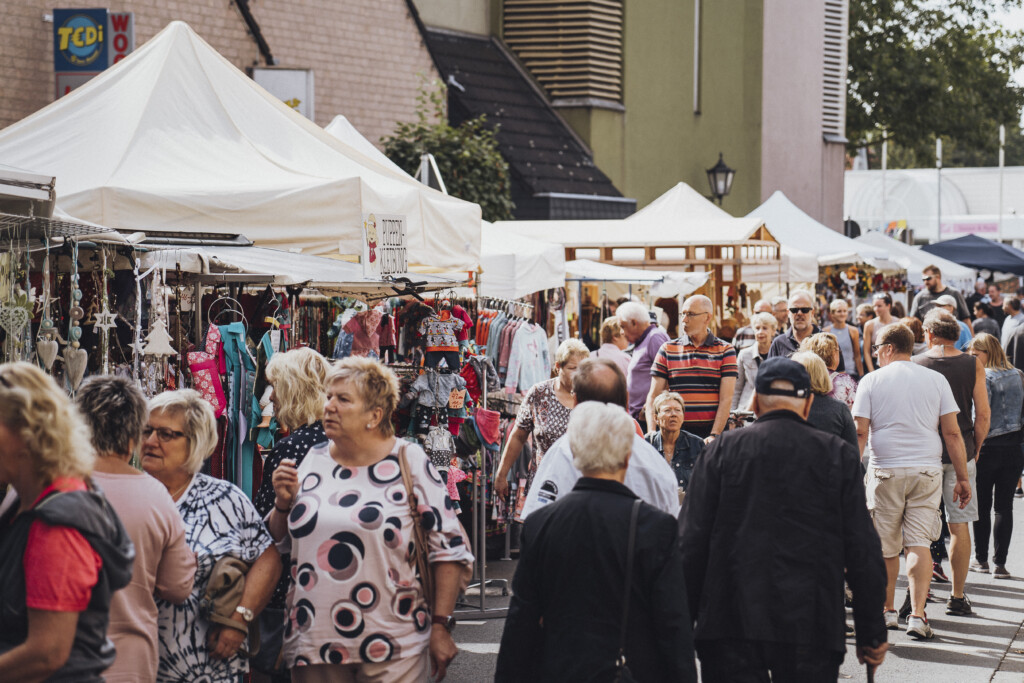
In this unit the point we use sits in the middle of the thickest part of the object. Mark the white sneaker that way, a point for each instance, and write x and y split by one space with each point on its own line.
918 628
892 619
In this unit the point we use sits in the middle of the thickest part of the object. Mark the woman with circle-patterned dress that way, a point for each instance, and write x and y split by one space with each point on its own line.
356 610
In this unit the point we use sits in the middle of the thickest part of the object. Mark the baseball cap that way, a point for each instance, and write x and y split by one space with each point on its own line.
783 369
945 300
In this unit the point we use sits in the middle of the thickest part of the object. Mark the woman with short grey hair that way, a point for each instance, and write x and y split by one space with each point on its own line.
220 521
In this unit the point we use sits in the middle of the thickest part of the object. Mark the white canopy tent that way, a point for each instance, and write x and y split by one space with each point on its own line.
515 266
663 283
175 138
341 128
914 260
807 244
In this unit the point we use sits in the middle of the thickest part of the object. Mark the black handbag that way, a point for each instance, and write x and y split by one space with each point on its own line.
622 672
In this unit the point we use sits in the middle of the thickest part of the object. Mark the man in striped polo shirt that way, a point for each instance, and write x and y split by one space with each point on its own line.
701 367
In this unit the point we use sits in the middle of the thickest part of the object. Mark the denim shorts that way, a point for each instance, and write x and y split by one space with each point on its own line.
954 515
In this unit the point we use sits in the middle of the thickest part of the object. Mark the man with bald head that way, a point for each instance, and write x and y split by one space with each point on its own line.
700 367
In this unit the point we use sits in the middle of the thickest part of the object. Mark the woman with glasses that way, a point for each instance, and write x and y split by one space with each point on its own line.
219 522
679 447
63 551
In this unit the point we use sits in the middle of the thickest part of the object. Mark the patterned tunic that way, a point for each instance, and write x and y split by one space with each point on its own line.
544 416
844 388
219 521
355 596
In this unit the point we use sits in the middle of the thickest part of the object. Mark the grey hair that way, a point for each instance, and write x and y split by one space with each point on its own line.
600 437
766 319
569 349
763 303
115 411
665 397
200 424
804 293
941 323
700 298
632 310
776 300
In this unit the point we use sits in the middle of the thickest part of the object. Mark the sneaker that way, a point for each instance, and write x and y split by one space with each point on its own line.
938 574
892 620
1019 493
1000 572
959 607
850 633
918 628
905 608
980 567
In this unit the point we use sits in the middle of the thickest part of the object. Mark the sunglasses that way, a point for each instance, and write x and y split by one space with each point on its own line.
164 435
927 278
800 309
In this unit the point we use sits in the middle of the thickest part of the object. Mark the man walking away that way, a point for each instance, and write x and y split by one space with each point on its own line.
565 619
899 410
775 513
646 338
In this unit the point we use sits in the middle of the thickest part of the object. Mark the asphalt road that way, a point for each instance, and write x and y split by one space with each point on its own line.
987 646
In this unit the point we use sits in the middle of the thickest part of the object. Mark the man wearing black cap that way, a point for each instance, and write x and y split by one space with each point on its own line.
789 498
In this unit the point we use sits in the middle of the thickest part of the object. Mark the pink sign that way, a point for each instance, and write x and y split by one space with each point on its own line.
965 228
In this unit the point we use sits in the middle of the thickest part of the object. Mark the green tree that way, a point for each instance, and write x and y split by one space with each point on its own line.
467 155
920 69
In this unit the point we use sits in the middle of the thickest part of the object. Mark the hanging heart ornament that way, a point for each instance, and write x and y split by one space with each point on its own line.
13 319
75 361
46 351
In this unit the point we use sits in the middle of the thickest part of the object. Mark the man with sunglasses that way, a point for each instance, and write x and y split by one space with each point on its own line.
801 326
934 288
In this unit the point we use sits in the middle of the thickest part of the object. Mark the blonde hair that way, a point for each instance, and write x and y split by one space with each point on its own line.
200 424
600 437
569 349
997 359
664 398
298 380
610 329
57 439
836 303
824 344
376 385
766 319
821 383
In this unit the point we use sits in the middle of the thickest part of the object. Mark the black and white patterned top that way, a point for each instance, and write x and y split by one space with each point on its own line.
544 416
219 521
294 446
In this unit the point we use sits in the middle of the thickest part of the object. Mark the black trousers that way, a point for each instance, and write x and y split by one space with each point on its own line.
998 470
748 661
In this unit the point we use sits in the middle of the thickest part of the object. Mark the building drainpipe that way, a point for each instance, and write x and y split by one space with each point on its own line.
255 31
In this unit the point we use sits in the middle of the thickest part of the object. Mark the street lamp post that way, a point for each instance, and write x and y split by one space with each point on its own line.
720 179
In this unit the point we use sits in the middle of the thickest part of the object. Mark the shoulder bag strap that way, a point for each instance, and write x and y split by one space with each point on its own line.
630 550
421 559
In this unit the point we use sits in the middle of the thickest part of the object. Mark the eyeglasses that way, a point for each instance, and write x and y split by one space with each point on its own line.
800 309
694 314
875 347
164 435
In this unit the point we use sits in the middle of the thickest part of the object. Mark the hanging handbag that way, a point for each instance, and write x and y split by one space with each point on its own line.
420 549
622 672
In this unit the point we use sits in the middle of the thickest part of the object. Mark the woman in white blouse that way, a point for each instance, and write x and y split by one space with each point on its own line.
749 359
357 610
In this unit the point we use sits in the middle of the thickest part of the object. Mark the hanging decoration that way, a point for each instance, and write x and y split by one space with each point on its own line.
46 340
105 320
75 357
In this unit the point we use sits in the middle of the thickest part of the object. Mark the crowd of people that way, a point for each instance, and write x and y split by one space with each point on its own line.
689 500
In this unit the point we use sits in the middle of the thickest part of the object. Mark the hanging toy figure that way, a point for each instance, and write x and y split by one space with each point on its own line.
371 237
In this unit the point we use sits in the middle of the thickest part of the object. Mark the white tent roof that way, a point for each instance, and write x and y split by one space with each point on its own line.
515 266
662 282
680 217
914 260
343 129
175 138
330 276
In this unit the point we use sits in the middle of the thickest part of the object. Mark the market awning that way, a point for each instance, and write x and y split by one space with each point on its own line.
281 268
914 260
515 266
979 252
662 282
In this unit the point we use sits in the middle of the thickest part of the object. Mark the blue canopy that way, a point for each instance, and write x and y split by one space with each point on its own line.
979 252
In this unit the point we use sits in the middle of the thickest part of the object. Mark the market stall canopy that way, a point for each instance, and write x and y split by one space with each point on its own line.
343 129
914 260
175 138
663 283
978 252
680 217
515 266
281 268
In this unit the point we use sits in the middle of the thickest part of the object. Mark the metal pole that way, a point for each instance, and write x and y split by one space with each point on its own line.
1002 162
938 168
885 165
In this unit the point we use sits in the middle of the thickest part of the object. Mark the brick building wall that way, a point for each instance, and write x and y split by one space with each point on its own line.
368 56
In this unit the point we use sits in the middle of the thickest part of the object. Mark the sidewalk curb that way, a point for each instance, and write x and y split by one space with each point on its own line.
1011 665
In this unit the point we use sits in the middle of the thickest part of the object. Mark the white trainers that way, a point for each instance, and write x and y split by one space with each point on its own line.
918 628
892 619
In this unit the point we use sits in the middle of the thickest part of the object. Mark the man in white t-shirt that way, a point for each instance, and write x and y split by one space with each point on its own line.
649 476
900 411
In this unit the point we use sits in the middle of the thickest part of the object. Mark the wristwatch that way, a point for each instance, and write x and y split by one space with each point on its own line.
448 622
246 613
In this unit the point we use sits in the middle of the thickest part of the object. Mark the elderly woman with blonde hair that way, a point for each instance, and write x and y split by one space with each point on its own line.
679 447
357 610
826 346
827 414
220 522
63 550
749 359
544 413
297 378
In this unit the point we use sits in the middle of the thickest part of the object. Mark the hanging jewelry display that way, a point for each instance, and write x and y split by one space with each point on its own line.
15 303
137 345
105 319
75 357
158 342
46 340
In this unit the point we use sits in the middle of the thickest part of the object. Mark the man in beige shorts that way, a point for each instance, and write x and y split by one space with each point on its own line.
900 411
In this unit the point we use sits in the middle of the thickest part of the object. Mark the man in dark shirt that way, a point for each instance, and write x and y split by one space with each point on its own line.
793 497
801 326
924 301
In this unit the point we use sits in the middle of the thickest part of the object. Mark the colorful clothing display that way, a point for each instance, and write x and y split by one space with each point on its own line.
440 332
529 362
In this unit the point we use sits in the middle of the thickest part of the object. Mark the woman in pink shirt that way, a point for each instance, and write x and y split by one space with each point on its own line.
164 566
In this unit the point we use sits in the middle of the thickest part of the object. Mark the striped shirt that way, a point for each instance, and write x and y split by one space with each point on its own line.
696 373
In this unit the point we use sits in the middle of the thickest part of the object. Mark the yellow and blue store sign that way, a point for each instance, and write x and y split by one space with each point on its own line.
80 39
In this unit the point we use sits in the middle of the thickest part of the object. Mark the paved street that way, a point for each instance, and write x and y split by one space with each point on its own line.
988 646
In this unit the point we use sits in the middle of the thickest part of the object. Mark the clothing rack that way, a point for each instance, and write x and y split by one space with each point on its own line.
507 305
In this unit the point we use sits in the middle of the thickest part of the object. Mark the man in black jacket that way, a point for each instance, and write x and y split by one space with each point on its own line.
773 515
565 618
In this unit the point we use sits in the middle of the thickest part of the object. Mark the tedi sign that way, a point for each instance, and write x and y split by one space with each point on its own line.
87 41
